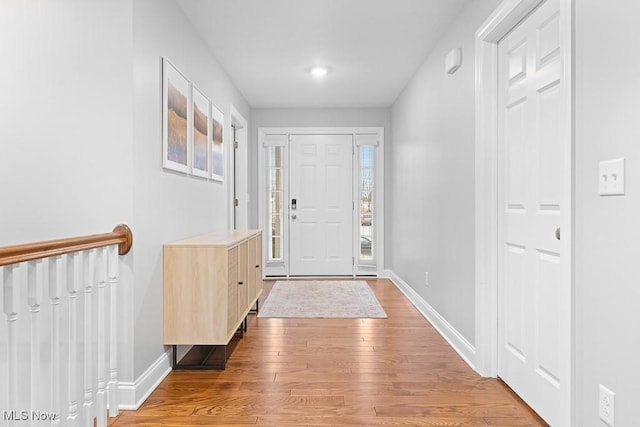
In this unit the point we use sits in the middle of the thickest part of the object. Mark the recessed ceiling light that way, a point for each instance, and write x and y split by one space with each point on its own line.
319 72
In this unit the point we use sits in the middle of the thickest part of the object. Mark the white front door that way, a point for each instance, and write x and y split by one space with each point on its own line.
321 218
530 195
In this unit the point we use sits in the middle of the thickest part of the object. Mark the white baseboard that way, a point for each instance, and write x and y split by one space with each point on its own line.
133 394
455 339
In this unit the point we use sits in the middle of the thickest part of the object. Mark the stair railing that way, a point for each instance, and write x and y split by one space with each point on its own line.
59 334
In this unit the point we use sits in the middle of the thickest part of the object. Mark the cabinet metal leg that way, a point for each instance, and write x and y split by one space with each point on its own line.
257 309
202 357
174 356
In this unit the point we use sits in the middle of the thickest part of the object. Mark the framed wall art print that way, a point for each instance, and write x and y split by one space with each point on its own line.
200 133
217 145
176 151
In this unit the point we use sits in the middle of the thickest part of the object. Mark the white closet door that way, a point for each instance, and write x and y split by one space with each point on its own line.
530 199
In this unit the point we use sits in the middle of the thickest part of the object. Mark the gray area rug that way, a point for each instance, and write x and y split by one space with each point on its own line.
322 299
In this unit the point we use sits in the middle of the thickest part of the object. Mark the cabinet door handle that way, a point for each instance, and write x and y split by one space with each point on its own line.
257 266
240 283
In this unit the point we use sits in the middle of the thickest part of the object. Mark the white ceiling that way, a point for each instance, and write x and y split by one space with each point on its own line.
372 47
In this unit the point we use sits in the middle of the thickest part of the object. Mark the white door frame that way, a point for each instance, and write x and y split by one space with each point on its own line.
241 173
280 136
500 23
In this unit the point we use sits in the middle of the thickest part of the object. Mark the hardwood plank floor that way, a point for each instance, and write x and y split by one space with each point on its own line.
333 372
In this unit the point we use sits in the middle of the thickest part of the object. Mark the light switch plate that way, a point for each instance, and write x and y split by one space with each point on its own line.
611 177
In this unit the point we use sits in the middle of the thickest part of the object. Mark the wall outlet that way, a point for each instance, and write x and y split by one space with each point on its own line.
606 405
426 279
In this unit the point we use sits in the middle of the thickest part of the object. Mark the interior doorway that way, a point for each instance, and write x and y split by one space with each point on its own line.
530 164
238 177
524 194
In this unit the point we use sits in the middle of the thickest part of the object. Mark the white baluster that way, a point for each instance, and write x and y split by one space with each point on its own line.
112 277
35 280
93 272
74 277
89 265
101 403
10 303
57 276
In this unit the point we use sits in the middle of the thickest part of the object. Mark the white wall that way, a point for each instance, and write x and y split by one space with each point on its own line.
309 117
431 192
66 117
80 140
168 206
607 291
66 125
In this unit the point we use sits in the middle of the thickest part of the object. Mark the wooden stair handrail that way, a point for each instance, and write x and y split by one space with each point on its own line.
121 236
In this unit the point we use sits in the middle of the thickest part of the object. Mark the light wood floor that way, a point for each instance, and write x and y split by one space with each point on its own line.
307 372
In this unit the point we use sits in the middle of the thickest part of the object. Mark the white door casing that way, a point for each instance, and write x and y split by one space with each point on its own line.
530 209
238 170
506 17
320 225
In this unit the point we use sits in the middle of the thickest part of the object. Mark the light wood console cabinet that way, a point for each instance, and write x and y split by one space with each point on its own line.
211 282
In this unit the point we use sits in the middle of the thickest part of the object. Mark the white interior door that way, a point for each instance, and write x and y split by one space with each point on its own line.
530 195
321 220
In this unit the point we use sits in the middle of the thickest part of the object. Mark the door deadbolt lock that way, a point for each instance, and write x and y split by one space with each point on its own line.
294 204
